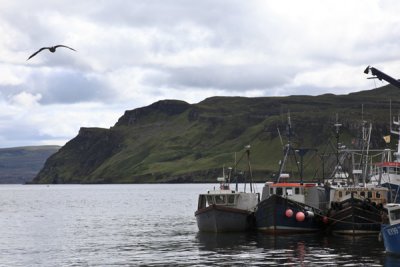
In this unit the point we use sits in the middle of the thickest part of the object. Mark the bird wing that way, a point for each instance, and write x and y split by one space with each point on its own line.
64 46
34 54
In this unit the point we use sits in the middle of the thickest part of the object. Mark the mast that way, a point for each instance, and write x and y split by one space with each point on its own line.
337 126
249 168
287 148
397 132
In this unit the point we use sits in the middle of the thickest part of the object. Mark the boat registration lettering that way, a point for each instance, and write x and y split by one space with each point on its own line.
393 231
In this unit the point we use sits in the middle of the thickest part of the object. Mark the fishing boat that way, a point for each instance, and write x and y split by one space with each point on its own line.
290 207
387 171
356 210
287 206
354 204
226 210
390 229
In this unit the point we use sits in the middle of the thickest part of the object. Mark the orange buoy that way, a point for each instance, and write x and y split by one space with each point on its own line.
300 216
289 213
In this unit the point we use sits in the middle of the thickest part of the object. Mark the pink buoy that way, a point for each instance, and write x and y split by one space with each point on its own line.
289 213
325 219
300 216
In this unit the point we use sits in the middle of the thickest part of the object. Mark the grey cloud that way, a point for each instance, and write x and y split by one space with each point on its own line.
30 134
166 13
232 78
73 87
64 87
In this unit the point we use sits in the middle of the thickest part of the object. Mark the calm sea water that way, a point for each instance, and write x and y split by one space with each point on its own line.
150 225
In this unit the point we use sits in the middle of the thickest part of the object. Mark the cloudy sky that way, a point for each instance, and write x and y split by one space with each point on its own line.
131 53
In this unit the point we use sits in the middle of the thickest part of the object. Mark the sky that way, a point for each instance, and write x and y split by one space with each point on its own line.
132 53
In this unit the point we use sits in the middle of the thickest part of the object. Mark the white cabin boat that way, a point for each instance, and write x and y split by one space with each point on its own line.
226 210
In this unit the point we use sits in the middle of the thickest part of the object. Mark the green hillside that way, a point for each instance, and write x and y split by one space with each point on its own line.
21 164
173 141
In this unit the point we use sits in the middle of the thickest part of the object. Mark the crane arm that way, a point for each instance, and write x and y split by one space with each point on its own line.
382 76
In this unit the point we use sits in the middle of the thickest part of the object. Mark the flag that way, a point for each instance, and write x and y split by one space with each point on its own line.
387 139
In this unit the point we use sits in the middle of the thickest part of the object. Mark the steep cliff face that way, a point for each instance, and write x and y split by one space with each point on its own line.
173 141
80 156
155 112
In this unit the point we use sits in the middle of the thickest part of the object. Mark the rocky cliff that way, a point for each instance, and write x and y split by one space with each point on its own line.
173 141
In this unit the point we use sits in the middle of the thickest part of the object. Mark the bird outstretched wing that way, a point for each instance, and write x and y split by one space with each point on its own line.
64 46
34 54
52 49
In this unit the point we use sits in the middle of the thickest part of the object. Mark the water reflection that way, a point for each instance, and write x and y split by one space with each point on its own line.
151 225
392 260
212 241
297 250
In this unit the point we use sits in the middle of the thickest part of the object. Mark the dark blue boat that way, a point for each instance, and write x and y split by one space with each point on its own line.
284 209
290 207
390 229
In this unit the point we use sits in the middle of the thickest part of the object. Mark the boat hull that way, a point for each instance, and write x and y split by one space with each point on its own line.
224 219
354 217
271 217
391 237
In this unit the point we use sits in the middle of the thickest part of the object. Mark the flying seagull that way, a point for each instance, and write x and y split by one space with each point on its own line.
52 50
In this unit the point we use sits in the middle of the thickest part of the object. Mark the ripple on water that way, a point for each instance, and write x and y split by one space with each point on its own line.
151 225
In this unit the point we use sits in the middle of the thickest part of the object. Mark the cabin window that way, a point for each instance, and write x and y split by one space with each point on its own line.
289 191
340 193
210 200
395 215
369 194
297 190
271 191
347 192
279 191
219 199
362 193
378 194
202 202
231 199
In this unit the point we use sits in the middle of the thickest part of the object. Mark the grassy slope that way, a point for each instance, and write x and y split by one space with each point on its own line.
195 140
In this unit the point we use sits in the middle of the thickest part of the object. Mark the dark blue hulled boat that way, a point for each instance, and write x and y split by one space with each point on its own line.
290 208
390 229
